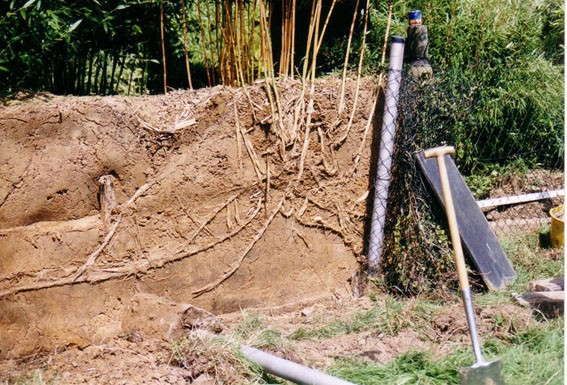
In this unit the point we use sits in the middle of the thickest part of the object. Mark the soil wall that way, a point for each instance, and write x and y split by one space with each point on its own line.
221 198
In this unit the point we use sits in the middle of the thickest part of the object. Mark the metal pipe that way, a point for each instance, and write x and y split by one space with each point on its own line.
383 172
290 370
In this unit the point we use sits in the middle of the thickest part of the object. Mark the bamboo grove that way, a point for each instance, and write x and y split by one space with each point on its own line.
150 46
500 62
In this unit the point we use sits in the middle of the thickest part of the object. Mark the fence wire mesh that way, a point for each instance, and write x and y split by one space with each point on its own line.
384 164
502 151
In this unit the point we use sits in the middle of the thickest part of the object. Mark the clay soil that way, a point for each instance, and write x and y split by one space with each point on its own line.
220 198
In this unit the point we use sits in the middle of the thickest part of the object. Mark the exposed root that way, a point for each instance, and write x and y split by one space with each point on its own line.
183 208
139 193
318 222
267 190
249 147
236 265
323 198
212 216
367 129
139 268
112 229
238 139
329 170
143 267
17 184
94 255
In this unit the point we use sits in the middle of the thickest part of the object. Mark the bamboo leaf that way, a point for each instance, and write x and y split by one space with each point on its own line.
74 26
28 4
2 68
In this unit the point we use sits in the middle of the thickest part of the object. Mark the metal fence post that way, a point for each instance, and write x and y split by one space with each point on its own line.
387 139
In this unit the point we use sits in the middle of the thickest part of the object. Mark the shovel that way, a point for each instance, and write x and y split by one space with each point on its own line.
482 372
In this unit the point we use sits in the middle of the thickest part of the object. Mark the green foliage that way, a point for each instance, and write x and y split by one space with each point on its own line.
497 95
498 88
532 260
487 178
410 368
90 47
388 318
495 117
532 356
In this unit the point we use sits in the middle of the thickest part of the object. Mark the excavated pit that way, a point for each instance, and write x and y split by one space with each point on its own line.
211 198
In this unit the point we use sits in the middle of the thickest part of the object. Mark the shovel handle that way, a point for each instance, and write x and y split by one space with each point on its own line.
439 153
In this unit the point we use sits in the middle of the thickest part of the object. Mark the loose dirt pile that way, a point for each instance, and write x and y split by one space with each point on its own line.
221 198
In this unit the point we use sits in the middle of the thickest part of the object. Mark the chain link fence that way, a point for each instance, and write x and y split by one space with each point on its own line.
509 153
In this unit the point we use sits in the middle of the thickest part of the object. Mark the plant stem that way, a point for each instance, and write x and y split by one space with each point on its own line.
162 33
187 66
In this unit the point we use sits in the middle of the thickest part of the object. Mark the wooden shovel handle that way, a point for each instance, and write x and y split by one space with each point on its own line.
439 153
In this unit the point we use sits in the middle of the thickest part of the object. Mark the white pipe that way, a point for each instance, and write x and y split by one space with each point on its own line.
383 172
510 200
290 370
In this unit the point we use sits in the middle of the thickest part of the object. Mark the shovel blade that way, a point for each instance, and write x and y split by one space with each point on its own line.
488 373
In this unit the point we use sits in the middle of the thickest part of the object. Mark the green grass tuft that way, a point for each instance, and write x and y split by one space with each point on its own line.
534 356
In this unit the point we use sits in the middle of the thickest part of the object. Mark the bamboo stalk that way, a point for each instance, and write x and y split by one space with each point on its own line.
218 34
265 52
388 24
95 82
208 3
203 42
89 76
292 48
347 55
358 77
251 39
102 85
123 62
309 39
322 34
113 72
162 34
185 48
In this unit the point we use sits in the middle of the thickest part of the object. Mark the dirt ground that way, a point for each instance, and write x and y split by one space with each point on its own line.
139 359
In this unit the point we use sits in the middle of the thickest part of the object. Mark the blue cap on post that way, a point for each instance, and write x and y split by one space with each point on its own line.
414 17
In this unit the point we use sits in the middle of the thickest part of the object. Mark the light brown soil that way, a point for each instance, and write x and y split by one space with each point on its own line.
211 201
138 359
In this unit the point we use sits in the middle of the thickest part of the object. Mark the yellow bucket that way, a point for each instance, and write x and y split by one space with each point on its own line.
557 214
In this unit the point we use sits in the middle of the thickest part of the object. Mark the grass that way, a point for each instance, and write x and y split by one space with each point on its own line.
388 317
34 378
533 356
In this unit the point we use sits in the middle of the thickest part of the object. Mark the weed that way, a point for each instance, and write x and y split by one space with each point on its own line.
249 325
35 378
220 358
